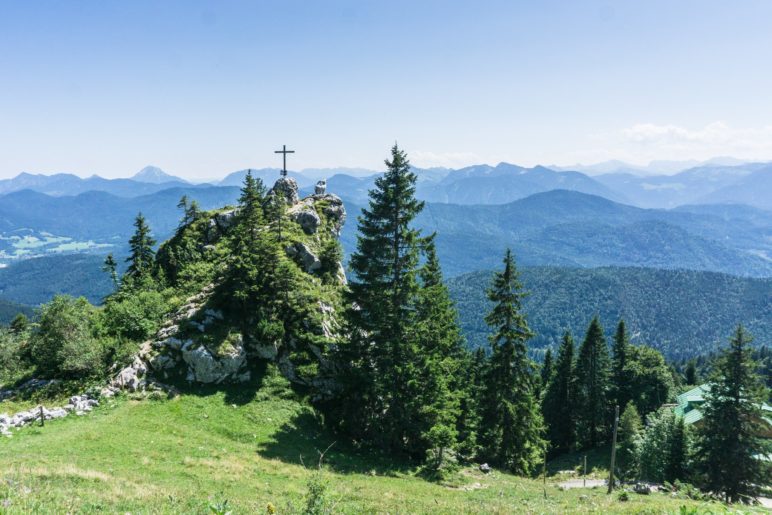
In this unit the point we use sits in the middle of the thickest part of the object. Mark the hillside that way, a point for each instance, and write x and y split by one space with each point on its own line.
247 445
8 310
566 228
681 313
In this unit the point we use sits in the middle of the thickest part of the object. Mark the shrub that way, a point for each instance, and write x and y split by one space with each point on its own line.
62 344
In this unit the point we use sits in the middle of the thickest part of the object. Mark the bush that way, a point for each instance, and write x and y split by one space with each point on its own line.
10 360
134 315
63 344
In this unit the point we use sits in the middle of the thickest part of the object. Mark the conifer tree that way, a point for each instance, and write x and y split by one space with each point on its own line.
142 255
618 363
439 356
383 319
558 405
547 369
592 387
676 466
511 419
690 374
250 282
629 431
111 267
728 436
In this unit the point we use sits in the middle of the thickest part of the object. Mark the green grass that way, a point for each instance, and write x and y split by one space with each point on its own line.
247 445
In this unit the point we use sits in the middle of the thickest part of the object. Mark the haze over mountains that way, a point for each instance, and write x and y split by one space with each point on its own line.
715 217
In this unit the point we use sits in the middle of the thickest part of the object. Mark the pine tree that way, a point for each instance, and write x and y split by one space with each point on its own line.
111 267
728 434
618 362
383 320
512 422
558 405
629 431
592 387
142 255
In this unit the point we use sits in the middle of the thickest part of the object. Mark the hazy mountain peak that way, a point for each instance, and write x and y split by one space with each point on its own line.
154 175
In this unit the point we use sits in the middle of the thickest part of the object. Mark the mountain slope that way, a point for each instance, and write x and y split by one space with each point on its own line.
681 313
63 184
154 175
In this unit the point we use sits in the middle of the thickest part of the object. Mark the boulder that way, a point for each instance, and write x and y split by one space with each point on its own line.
642 488
485 468
320 188
308 220
287 189
205 367
308 260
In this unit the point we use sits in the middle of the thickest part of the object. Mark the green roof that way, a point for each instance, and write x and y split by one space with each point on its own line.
696 394
689 404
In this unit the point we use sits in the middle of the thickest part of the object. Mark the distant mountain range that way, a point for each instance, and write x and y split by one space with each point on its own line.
720 180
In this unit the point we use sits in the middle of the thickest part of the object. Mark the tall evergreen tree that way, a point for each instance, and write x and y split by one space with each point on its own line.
728 436
438 389
142 255
383 319
618 362
558 405
690 374
629 430
593 387
250 283
676 466
511 419
547 369
111 267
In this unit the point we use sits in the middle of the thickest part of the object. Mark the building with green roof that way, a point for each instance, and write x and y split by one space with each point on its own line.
690 404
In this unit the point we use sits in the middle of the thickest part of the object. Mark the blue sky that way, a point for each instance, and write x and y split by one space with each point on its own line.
203 88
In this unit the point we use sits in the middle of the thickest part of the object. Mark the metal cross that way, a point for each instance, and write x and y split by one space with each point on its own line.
285 152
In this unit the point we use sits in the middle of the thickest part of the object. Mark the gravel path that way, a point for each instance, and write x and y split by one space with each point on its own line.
579 483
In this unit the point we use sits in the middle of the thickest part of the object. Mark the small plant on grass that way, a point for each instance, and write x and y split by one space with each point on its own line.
317 498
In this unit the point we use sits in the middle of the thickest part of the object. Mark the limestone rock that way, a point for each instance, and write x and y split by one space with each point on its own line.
205 367
308 259
286 188
320 188
308 219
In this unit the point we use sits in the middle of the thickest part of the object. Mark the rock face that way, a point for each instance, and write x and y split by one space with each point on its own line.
207 367
308 219
308 259
287 189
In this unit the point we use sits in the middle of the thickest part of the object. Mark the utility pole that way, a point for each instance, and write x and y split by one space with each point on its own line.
613 450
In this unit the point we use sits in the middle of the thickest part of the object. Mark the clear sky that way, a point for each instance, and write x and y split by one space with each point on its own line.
202 88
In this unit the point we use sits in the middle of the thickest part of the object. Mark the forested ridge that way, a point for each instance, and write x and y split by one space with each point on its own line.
682 313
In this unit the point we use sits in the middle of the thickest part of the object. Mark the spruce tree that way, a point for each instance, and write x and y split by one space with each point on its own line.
384 289
558 405
629 432
676 467
142 255
593 387
249 286
690 374
111 267
438 389
618 363
511 419
547 369
731 423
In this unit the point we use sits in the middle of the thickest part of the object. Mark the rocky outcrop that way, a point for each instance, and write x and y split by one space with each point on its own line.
308 220
286 188
78 404
307 259
205 366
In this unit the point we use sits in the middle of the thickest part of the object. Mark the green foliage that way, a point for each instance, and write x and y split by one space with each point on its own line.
142 256
593 387
681 313
401 365
134 314
629 435
728 435
619 381
656 447
63 343
646 378
512 425
559 403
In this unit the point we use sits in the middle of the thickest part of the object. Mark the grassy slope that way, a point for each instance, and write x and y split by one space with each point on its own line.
245 446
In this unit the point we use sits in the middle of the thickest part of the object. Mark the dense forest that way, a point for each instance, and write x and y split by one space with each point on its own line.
679 312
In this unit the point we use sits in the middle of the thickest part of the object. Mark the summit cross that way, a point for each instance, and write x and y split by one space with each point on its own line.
284 151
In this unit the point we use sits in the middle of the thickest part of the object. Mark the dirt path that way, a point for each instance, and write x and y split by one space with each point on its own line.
580 483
